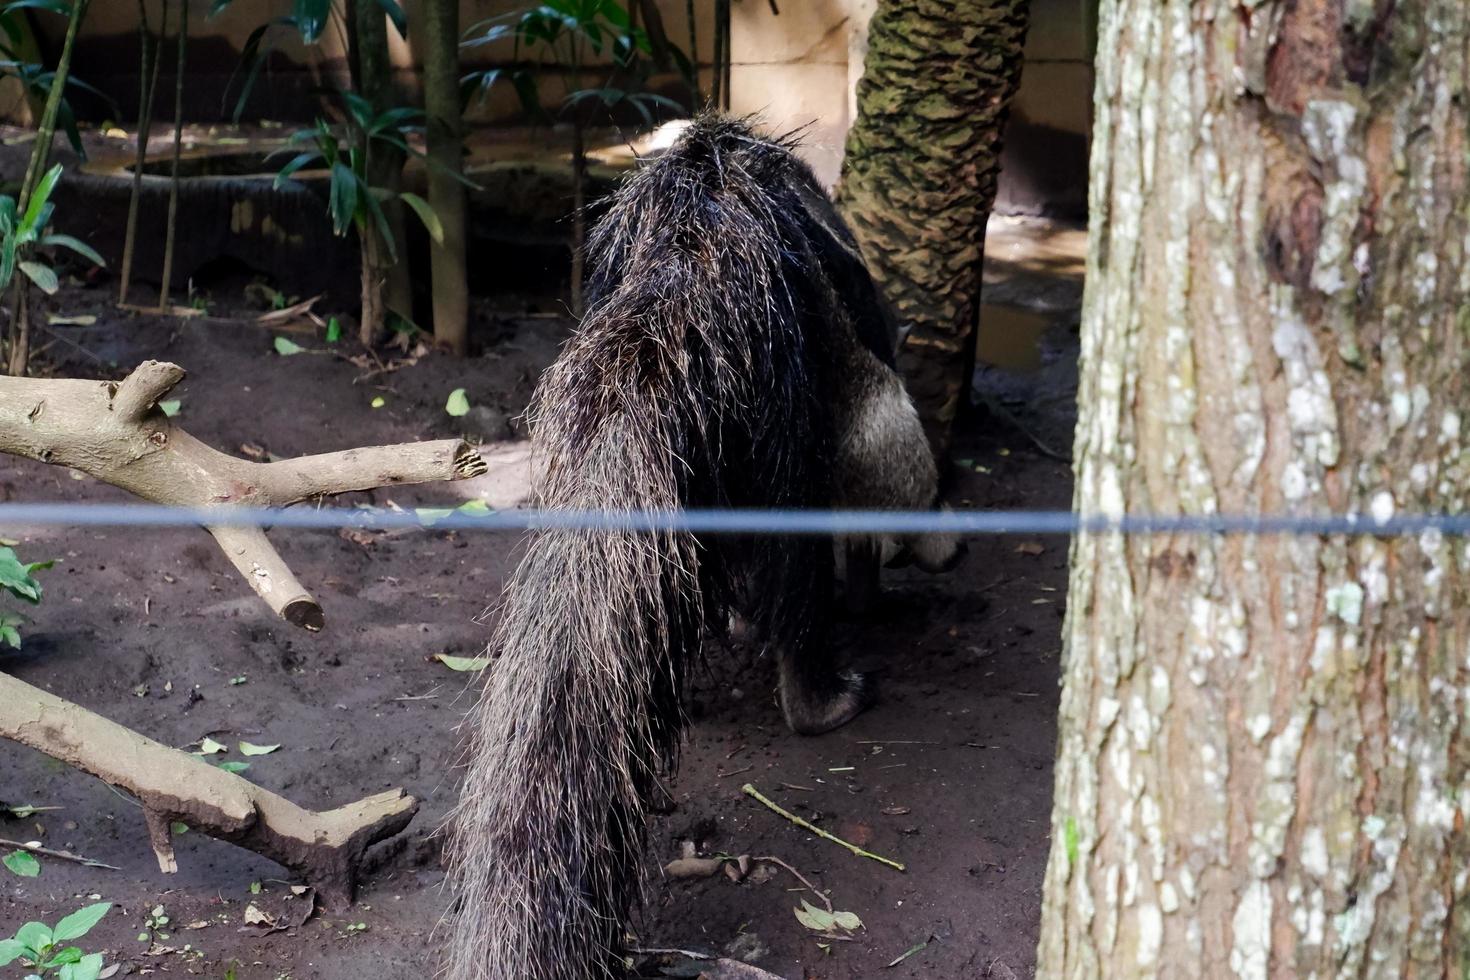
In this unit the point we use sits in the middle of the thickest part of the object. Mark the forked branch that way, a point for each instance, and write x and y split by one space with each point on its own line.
115 432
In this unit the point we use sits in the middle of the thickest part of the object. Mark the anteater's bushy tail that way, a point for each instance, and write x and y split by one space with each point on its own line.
695 380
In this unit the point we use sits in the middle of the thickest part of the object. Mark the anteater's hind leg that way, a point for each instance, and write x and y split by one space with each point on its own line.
816 696
863 560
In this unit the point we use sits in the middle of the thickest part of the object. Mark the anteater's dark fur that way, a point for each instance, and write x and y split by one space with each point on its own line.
734 355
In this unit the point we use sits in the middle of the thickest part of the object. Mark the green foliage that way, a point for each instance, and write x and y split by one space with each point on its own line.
18 579
352 201
21 235
565 32
23 864
308 19
37 79
44 949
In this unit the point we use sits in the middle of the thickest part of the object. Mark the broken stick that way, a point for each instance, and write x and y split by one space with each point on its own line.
324 847
759 797
115 432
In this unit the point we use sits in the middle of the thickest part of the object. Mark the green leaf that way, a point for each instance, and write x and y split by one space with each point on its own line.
208 746
80 922
170 406
247 748
89 968
462 663
16 576
334 330
35 935
458 403
426 215
342 198
12 950
55 6
234 767
42 275
286 347
378 402
310 17
178 828
847 920
22 863
76 245
432 515
69 955
297 162
31 221
815 919
10 635
396 15
474 508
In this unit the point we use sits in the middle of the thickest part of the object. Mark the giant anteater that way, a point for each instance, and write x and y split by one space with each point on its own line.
734 354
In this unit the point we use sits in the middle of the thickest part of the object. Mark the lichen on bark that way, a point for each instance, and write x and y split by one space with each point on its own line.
1261 764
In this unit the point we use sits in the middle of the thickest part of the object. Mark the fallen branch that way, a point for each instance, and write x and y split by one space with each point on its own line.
324 847
751 791
115 432
60 855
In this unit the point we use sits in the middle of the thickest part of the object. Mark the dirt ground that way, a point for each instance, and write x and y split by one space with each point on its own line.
950 773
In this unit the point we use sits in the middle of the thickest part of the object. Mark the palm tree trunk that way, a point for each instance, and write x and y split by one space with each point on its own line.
920 172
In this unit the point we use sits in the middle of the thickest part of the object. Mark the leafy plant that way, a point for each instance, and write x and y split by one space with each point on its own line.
44 950
18 578
37 79
566 33
352 202
308 19
21 235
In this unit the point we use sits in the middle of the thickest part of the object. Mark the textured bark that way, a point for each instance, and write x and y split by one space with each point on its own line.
920 172
325 847
446 164
1262 762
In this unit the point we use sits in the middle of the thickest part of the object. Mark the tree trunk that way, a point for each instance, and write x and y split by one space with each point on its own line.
446 165
385 164
1262 767
371 315
919 176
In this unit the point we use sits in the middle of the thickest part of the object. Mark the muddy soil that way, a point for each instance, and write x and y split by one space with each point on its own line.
950 774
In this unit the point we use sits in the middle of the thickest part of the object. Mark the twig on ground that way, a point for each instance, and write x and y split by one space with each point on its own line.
771 859
61 855
756 794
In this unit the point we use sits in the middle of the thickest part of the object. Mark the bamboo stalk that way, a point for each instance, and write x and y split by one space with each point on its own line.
173 191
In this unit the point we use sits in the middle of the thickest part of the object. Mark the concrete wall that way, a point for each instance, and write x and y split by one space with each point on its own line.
797 68
800 68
